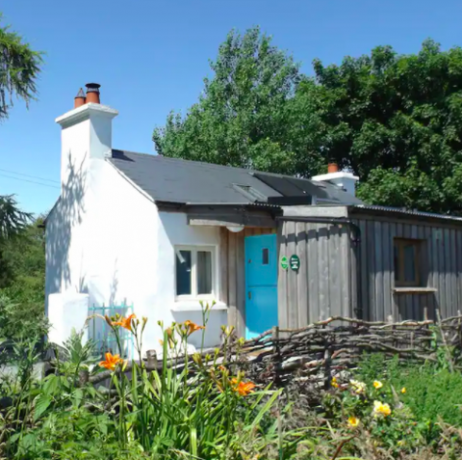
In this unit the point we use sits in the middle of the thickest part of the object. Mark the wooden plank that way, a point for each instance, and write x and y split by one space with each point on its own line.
420 300
240 283
292 297
409 307
334 261
429 305
393 304
232 282
371 270
323 268
365 299
282 277
445 309
452 305
459 268
435 271
223 265
387 270
225 220
379 270
312 272
441 271
302 280
348 273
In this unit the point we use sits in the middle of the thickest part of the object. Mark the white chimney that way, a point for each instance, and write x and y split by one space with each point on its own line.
86 133
343 179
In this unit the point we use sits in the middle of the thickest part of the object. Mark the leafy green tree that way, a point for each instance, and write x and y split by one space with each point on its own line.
22 266
244 118
19 69
22 282
396 120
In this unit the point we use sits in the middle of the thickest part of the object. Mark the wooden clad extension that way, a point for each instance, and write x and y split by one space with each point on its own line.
322 287
440 266
340 276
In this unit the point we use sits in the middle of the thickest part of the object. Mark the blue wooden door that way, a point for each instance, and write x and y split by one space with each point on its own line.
261 282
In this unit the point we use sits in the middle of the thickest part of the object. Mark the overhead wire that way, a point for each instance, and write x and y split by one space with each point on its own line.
30 181
29 175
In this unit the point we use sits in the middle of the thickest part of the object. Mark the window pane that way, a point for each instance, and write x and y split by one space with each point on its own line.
183 272
396 261
204 272
265 256
409 263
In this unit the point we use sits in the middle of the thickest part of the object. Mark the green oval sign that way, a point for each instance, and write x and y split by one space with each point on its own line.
284 263
294 262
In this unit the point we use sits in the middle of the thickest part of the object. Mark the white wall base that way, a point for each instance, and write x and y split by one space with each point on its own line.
66 312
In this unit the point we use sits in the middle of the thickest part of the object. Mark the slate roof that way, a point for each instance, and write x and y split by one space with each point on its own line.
192 182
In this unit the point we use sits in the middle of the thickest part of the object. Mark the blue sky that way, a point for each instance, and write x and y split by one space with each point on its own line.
151 56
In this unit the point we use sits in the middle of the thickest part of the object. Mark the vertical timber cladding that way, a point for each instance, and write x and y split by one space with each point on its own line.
322 285
440 261
232 273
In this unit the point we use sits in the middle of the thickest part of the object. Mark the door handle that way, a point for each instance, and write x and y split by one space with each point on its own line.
249 294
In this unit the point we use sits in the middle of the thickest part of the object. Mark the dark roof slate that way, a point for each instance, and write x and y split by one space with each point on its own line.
193 182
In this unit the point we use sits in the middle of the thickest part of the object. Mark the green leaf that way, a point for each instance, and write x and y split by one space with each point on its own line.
41 405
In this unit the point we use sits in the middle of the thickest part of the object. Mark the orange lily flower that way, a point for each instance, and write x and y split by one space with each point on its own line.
126 323
111 361
193 327
243 388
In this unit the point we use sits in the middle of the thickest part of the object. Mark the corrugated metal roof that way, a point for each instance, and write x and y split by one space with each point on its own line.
193 182
409 212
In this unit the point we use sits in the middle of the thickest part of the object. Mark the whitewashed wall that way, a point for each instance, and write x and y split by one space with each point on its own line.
107 239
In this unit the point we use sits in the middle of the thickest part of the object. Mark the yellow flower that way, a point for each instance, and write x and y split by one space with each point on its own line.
403 390
243 388
377 384
111 361
381 409
192 327
358 387
353 421
334 382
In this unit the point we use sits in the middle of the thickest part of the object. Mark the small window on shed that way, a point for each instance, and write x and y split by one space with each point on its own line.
406 256
265 256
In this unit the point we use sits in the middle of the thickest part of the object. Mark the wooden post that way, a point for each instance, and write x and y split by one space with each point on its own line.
277 355
443 337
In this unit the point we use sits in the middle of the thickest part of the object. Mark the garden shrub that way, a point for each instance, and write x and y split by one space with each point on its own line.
432 391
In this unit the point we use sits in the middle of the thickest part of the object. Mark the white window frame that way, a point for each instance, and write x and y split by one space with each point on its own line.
194 250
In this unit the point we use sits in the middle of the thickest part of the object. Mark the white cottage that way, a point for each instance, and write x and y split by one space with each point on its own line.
160 234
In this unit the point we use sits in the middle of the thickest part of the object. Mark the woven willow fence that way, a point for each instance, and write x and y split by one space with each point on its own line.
324 349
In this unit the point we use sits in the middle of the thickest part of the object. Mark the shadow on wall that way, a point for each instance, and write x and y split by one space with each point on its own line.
66 215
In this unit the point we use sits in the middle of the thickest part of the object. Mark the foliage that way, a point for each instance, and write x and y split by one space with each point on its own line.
244 118
201 407
22 281
395 120
21 321
433 393
19 69
208 413
22 265
12 219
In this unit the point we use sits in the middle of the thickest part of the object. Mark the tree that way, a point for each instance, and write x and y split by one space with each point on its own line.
19 69
396 120
247 115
